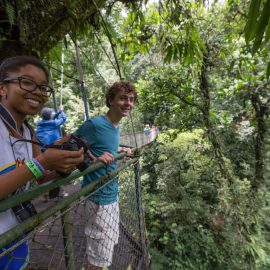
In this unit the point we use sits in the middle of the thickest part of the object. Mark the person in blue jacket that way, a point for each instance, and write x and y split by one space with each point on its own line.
48 129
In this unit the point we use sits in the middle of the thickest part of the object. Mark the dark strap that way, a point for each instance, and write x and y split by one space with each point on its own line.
8 119
11 123
30 128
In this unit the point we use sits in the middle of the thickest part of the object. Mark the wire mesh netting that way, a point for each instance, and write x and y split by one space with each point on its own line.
63 240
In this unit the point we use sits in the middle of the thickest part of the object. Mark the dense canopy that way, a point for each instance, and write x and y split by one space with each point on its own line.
202 72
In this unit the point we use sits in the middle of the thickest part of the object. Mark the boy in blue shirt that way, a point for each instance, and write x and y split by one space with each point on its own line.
103 137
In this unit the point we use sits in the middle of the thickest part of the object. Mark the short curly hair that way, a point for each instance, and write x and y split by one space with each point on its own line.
118 86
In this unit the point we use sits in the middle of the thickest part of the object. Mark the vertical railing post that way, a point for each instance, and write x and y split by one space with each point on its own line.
79 66
140 213
68 241
55 102
62 78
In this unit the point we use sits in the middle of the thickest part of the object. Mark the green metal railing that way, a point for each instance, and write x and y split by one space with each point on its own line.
57 229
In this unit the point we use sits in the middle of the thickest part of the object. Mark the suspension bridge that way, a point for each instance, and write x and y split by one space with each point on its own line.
56 234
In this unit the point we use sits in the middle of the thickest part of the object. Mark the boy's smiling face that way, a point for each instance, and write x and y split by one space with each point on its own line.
122 103
18 101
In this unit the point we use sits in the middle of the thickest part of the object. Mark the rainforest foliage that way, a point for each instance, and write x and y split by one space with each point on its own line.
202 71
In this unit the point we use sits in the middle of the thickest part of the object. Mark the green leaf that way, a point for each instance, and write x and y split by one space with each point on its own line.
65 42
10 13
261 26
268 71
267 32
252 18
169 54
180 49
175 53
232 65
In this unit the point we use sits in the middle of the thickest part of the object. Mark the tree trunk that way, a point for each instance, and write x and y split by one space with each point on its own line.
260 110
204 88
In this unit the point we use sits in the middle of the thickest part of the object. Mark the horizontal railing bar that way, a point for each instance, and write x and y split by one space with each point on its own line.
43 188
36 220
131 134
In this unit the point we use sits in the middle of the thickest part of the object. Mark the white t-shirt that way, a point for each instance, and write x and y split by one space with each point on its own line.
10 158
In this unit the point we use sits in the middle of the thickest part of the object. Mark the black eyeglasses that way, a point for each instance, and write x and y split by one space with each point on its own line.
30 86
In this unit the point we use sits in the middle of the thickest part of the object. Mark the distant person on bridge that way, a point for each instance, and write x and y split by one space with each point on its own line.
153 134
48 129
103 136
147 132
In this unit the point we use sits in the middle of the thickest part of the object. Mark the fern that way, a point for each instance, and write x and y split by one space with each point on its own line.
10 13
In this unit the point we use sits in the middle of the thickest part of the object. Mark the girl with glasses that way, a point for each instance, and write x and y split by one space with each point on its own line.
23 91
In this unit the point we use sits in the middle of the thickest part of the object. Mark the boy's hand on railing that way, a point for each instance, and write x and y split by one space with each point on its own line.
127 150
91 156
106 158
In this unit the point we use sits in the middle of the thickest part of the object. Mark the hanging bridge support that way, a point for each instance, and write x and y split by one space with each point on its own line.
144 260
79 66
55 103
53 93
62 78
68 241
